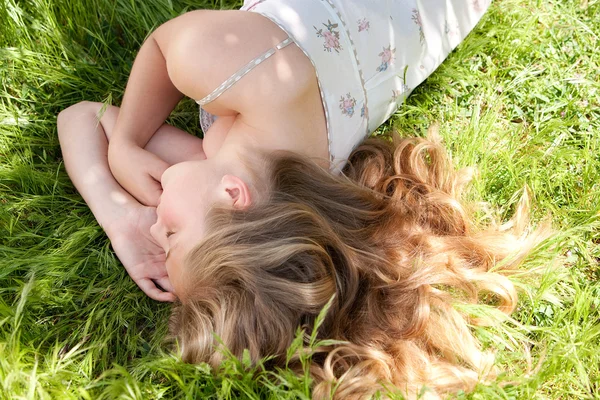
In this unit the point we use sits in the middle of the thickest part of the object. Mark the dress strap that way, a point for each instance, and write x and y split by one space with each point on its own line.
242 71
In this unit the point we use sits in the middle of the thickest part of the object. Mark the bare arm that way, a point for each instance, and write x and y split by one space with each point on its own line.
149 97
189 55
126 222
84 148
84 139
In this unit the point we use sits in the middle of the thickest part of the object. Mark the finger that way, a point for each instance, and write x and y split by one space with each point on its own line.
165 283
153 292
154 269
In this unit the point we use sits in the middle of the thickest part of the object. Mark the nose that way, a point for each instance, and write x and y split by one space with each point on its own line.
155 232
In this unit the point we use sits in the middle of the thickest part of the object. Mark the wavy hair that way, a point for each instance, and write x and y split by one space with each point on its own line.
389 239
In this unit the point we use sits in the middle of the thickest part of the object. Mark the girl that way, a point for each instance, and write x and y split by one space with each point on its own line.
255 228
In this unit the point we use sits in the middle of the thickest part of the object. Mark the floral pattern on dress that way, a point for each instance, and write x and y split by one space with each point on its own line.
363 25
416 17
331 36
478 5
397 93
364 111
451 28
452 31
387 58
347 105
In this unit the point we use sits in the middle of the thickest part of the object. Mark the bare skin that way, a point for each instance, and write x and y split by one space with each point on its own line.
121 163
276 106
84 136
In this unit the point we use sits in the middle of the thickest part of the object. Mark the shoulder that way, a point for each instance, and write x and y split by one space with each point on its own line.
202 47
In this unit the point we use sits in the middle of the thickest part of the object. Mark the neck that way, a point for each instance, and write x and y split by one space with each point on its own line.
246 142
268 142
241 150
245 135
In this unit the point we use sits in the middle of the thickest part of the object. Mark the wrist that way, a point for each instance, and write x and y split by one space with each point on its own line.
118 151
115 225
120 143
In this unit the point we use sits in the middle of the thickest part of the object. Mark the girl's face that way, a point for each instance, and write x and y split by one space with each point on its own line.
190 190
182 208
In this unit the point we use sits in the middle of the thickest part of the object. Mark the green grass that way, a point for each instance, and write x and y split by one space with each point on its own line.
519 99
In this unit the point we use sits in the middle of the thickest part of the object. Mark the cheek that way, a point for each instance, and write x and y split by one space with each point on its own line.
175 266
171 269
173 273
168 213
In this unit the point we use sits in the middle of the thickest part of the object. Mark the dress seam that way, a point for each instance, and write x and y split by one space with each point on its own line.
356 62
322 94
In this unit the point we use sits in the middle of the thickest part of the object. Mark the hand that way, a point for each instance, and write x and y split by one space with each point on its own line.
141 256
137 170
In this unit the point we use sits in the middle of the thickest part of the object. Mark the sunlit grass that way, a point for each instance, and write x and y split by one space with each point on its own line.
519 100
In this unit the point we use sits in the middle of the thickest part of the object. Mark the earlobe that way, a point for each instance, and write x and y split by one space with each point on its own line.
237 192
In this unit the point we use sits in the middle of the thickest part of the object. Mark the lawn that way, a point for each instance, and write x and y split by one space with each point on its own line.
519 100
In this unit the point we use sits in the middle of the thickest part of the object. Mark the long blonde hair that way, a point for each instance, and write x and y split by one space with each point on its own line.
389 240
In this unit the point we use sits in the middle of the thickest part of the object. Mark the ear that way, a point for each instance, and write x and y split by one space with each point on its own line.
235 192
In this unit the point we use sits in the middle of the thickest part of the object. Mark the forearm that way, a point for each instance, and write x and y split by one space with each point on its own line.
149 97
85 147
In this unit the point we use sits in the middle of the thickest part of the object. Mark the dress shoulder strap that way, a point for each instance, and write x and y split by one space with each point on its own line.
242 71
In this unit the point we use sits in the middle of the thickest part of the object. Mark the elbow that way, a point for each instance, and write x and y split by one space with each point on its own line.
62 120
71 115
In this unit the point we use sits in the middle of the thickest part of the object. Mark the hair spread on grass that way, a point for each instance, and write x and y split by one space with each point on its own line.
389 239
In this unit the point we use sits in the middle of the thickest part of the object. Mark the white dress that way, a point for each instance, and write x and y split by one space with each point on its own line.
368 54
